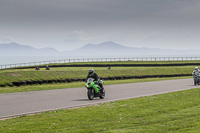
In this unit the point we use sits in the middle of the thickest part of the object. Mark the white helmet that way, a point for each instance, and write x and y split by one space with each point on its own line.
91 71
196 68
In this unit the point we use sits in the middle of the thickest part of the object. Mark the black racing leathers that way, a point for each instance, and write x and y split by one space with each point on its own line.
95 77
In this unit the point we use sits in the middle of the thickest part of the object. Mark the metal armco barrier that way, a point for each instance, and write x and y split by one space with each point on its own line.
100 60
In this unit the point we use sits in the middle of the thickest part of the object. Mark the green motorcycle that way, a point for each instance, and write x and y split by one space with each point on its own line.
94 90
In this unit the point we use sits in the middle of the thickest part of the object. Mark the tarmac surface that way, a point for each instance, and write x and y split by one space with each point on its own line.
23 103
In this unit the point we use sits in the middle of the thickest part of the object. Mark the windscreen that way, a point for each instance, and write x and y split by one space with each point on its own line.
90 80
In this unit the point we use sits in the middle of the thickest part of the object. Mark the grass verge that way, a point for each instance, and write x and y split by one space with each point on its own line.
13 75
75 84
170 112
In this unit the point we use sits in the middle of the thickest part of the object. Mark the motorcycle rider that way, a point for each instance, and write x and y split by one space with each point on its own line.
92 74
196 72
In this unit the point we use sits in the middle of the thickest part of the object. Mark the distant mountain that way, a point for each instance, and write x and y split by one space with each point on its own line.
14 49
104 46
104 49
112 48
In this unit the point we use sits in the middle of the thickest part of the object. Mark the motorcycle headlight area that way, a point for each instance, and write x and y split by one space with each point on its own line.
88 85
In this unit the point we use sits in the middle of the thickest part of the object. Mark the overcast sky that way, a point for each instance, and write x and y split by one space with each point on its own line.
70 24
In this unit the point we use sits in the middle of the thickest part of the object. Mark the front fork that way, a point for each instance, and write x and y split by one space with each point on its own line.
196 79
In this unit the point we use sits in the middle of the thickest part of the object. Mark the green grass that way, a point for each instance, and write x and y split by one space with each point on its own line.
73 85
171 112
15 75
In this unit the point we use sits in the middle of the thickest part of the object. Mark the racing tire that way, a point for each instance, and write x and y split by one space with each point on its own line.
90 94
195 82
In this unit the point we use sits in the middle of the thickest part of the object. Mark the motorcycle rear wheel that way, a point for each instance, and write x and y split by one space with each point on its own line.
102 94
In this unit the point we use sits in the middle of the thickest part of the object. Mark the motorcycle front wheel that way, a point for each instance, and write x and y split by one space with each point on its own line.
195 82
90 94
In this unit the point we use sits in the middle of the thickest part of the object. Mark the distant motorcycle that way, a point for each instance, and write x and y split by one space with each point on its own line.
92 86
196 79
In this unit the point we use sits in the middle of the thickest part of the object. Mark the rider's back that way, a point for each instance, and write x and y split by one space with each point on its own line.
196 72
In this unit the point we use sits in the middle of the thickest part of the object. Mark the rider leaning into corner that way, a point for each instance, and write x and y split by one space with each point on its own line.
92 74
196 71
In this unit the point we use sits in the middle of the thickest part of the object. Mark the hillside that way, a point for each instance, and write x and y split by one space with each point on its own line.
14 49
112 48
98 50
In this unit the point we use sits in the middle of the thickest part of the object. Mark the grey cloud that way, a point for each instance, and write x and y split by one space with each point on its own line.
99 20
70 11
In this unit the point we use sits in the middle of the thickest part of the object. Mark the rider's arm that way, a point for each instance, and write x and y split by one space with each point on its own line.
96 77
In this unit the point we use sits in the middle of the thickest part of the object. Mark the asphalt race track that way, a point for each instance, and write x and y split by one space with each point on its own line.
16 104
